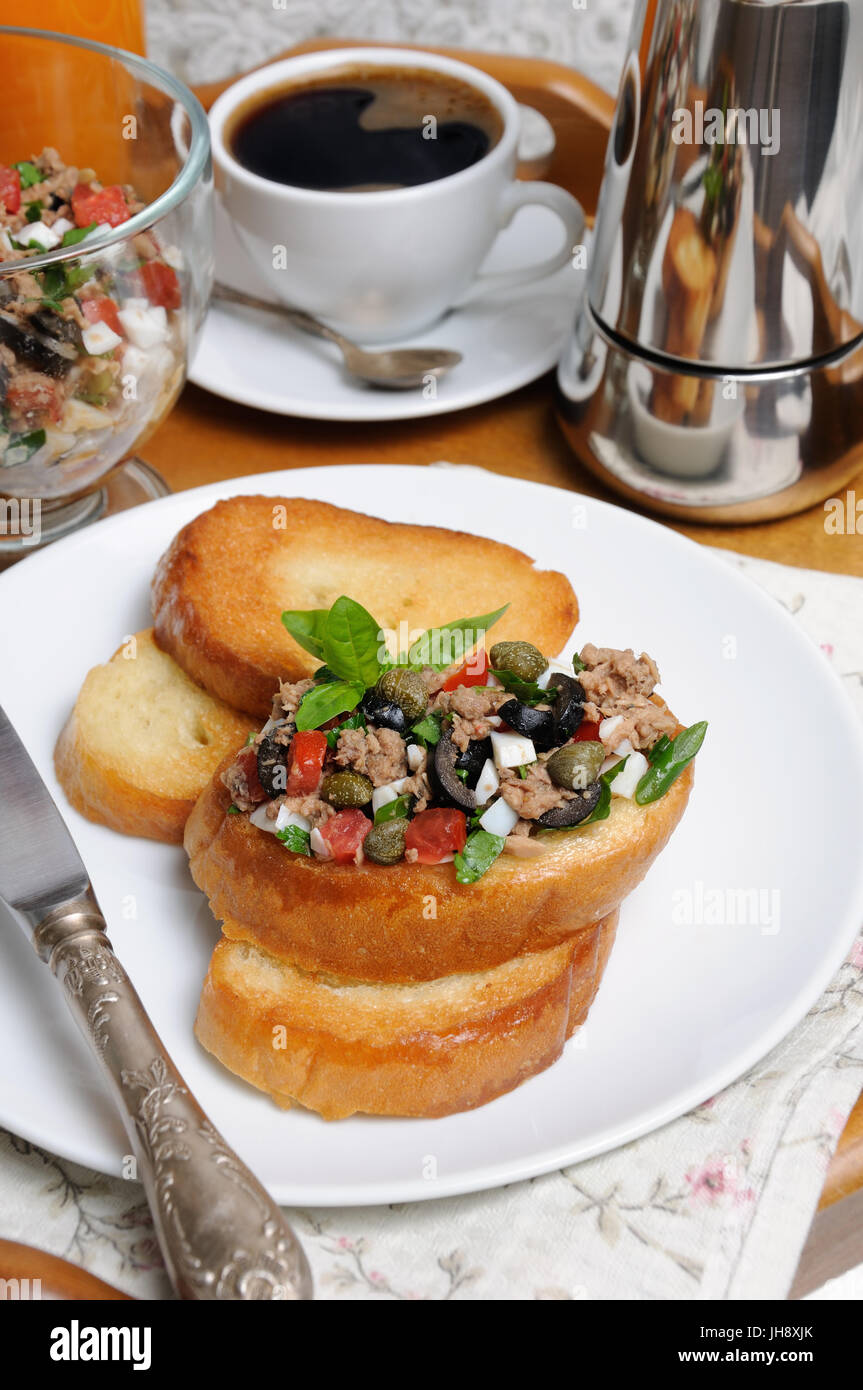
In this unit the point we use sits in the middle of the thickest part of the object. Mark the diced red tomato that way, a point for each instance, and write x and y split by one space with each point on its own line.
343 834
99 205
587 732
31 397
160 284
437 833
248 761
307 758
473 672
10 188
102 310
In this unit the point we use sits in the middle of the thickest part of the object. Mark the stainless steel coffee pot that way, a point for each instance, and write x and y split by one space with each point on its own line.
715 370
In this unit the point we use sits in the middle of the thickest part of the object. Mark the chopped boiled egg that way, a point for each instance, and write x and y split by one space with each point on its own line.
144 327
44 236
608 726
511 750
62 225
98 338
416 757
319 846
260 818
381 796
554 668
499 819
626 781
286 818
487 783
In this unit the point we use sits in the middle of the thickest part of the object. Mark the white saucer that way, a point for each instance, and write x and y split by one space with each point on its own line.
506 339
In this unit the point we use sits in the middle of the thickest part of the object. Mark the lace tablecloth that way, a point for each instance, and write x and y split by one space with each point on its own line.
715 1205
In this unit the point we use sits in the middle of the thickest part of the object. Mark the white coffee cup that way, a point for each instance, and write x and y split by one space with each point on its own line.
384 264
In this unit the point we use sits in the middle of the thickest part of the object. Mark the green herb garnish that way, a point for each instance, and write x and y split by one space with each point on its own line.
251 738
528 692
522 772
23 446
295 838
61 281
480 851
76 234
324 702
34 211
577 664
394 810
427 731
435 647
233 810
668 758
28 173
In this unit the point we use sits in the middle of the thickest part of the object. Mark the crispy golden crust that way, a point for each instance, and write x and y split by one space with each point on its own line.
220 588
142 741
339 1047
414 921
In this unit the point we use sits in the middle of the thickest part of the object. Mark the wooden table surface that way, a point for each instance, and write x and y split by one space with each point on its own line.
206 439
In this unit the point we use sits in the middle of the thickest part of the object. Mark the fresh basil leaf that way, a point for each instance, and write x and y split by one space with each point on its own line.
435 647
394 810
28 173
76 234
355 721
352 641
577 664
427 731
665 769
324 702
324 673
307 628
480 851
602 809
34 211
295 838
527 691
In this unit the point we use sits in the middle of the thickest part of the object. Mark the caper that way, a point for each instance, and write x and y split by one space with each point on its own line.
385 842
523 659
576 766
343 789
406 689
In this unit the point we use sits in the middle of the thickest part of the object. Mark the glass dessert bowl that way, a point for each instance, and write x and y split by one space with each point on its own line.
105 266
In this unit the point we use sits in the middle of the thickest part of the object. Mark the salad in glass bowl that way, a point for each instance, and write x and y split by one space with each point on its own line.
103 286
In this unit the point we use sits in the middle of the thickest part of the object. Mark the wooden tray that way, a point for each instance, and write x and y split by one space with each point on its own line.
206 439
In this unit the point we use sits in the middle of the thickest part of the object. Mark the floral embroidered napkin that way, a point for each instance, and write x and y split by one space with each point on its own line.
715 1205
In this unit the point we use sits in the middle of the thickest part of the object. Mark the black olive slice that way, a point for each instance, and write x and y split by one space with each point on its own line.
385 713
473 759
273 766
445 762
568 708
574 811
41 351
535 724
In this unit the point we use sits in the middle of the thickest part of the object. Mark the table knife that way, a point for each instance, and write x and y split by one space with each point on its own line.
222 1236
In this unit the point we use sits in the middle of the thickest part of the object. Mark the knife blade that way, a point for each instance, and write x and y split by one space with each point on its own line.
39 864
222 1235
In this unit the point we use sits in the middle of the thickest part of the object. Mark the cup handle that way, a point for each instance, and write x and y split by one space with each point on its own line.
518 195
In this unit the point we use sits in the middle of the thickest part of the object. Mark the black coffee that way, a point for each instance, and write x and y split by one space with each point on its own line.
361 130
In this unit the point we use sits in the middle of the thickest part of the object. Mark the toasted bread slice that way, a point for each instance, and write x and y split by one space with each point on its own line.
409 922
222 585
338 1046
142 741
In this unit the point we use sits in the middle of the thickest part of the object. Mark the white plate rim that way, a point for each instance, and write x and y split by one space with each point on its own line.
469 1180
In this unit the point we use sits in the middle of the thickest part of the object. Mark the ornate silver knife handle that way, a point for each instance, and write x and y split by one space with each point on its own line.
222 1236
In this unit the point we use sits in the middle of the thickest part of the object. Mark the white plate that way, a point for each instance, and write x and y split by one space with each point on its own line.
506 340
777 805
